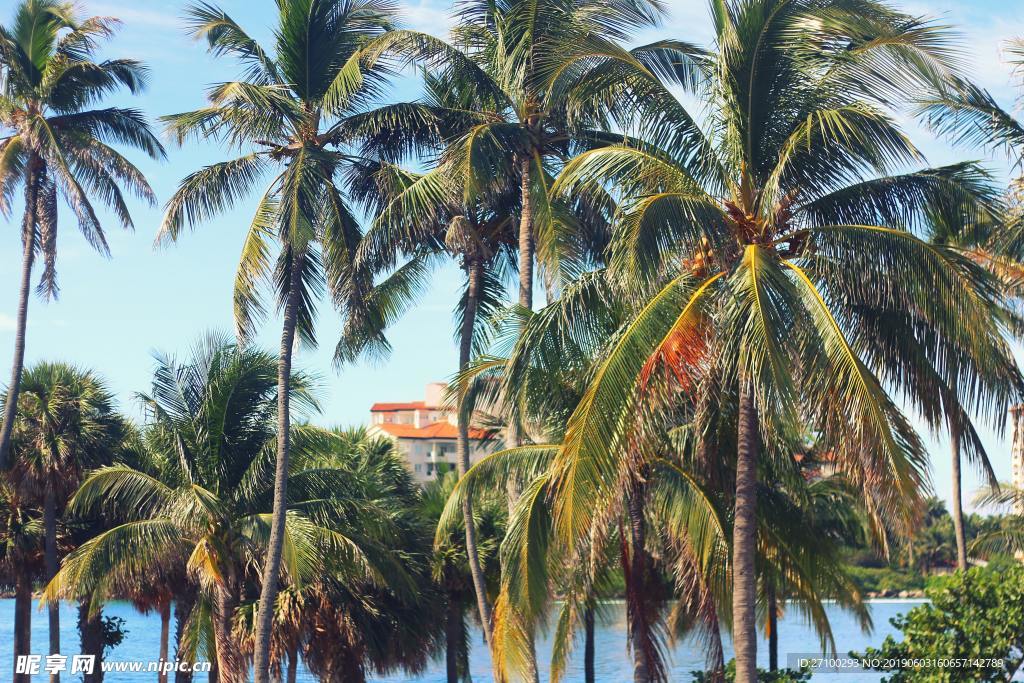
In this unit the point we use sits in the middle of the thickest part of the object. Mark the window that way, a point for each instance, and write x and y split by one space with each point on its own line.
418 468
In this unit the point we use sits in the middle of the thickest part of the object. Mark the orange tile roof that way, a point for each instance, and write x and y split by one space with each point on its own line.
436 430
391 407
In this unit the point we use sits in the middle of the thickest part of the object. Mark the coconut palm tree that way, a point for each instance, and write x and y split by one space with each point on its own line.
53 142
216 418
528 130
672 520
65 424
970 116
766 216
426 217
280 114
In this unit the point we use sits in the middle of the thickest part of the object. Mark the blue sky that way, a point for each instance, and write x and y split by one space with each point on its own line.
112 314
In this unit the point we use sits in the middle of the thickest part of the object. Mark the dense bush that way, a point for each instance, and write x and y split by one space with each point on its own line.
973 630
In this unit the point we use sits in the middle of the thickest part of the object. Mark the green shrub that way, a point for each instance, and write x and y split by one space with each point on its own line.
973 630
763 675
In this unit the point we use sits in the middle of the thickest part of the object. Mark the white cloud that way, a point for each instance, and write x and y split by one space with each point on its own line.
7 323
136 13
429 17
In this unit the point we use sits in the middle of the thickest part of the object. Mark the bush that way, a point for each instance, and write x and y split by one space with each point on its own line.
973 630
763 675
885 579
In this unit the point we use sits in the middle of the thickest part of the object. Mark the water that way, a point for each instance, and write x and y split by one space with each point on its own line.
612 661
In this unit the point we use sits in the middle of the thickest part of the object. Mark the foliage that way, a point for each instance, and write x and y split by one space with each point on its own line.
114 632
763 675
977 615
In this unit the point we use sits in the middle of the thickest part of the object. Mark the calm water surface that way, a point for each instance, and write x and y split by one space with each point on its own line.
613 664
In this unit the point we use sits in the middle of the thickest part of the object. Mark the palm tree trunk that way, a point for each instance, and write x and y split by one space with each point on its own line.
773 629
638 590
22 620
526 243
588 645
474 273
90 631
293 665
744 595
453 636
956 502
50 562
271 569
230 668
25 284
165 637
183 607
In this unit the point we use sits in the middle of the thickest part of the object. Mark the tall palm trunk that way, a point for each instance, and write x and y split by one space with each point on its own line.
639 597
526 243
25 284
230 668
454 634
22 620
956 502
165 638
90 631
183 607
773 629
474 274
50 567
271 569
744 541
588 645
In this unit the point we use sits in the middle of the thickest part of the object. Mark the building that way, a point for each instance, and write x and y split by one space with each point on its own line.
425 433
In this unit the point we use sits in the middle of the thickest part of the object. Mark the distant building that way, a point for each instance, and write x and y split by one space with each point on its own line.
425 433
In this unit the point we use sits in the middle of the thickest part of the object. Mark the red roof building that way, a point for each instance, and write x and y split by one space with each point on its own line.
425 432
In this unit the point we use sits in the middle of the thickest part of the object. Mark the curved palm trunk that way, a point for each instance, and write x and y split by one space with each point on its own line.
25 284
474 273
22 620
588 645
956 502
90 631
773 629
744 595
50 566
183 607
271 570
165 637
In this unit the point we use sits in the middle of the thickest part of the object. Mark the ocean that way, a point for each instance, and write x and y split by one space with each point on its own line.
613 664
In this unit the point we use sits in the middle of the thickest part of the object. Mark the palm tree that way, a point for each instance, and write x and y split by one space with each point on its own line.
282 114
451 568
216 419
344 628
425 217
21 542
65 424
971 116
765 219
53 143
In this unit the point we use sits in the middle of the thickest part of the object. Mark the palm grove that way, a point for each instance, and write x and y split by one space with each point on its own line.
747 268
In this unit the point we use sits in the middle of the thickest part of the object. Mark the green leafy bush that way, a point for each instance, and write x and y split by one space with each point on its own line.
763 675
973 630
